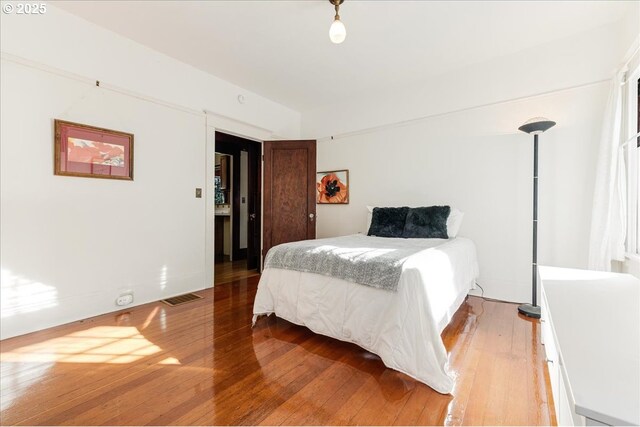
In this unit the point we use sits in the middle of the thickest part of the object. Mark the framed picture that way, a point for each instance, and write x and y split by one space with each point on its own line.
332 187
88 151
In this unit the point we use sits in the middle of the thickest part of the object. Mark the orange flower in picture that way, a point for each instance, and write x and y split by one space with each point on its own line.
332 187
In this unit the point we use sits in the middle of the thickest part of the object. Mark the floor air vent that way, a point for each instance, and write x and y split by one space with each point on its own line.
181 299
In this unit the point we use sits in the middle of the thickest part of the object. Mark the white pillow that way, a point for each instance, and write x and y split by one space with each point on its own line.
454 221
369 216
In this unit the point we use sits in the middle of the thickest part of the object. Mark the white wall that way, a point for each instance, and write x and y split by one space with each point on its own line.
71 245
459 145
584 58
477 161
65 41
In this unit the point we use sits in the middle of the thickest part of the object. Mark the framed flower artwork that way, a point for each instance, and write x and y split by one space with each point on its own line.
332 187
88 151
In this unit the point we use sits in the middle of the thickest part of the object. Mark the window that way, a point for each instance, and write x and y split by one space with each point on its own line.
633 165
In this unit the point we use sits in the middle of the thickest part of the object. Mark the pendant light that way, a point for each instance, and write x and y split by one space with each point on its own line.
337 32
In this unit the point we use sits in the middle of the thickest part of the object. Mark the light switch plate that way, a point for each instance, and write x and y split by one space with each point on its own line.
198 193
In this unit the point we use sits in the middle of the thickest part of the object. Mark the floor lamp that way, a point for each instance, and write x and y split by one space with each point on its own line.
535 127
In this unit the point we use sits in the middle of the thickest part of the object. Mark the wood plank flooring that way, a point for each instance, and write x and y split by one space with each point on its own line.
201 363
229 271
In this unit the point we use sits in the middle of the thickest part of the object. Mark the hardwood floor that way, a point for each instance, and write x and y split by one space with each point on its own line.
229 271
202 363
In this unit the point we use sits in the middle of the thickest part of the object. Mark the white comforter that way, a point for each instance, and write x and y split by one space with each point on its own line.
402 327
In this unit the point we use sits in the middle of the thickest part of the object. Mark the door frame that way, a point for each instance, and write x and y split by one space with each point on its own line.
234 145
214 123
225 145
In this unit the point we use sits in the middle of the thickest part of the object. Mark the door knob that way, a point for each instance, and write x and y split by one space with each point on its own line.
311 216
252 217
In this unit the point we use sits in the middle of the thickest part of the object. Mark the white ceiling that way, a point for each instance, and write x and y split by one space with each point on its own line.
281 49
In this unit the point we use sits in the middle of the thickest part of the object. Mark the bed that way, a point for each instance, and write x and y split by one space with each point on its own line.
402 325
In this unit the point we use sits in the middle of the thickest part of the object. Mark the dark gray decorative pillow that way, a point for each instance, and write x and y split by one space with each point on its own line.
388 222
427 223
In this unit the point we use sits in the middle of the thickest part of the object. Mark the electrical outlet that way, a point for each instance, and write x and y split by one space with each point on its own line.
125 299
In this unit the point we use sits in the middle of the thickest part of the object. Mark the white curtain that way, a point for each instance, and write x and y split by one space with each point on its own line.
608 221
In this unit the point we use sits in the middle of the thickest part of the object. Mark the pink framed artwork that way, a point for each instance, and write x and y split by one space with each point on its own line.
92 152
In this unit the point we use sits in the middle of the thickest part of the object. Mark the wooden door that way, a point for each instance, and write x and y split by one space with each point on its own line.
289 192
254 206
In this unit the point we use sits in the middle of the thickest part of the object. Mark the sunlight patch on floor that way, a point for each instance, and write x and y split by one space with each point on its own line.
102 344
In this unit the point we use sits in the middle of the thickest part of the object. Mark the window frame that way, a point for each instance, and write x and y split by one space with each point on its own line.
632 157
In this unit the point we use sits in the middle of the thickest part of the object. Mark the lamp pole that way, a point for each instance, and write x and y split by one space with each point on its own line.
534 126
534 265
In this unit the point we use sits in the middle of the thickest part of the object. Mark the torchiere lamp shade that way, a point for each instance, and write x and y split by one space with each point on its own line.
537 125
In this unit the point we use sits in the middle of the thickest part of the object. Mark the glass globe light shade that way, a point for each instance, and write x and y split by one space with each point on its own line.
337 32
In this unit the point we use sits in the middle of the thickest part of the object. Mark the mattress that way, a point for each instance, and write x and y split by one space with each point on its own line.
401 327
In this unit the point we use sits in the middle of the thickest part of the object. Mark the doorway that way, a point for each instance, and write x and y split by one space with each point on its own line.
237 198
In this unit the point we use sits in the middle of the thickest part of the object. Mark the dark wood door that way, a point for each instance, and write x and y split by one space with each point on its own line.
254 206
289 192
